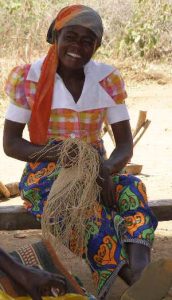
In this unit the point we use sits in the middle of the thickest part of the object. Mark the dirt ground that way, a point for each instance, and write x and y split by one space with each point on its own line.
154 152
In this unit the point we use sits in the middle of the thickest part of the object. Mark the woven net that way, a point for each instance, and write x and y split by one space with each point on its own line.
73 195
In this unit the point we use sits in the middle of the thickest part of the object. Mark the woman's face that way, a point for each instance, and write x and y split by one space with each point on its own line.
76 46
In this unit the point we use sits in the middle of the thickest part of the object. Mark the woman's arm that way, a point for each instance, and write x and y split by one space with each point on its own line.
116 162
17 147
34 281
124 147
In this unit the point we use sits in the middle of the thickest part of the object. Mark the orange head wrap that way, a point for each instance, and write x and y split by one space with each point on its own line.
71 15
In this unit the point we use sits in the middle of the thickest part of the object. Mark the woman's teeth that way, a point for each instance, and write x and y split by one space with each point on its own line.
74 55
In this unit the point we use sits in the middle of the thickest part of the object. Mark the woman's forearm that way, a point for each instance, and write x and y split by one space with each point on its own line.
119 158
8 265
17 147
124 147
22 149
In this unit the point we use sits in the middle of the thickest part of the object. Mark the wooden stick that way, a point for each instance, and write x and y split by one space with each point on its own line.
107 128
13 188
144 128
141 120
4 190
142 123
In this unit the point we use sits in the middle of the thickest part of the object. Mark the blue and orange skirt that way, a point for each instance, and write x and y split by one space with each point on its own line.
132 221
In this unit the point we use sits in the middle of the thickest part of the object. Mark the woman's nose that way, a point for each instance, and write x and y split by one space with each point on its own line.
77 42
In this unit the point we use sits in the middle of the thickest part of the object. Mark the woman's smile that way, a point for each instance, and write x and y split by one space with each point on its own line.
74 55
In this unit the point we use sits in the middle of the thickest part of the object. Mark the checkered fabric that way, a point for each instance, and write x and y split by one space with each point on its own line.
65 122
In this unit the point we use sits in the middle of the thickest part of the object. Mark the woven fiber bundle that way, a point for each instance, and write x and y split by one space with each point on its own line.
73 195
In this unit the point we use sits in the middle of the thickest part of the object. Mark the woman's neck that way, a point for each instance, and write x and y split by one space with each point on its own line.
67 73
73 80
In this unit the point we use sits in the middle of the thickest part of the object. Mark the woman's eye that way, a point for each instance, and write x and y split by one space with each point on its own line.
88 43
84 41
69 38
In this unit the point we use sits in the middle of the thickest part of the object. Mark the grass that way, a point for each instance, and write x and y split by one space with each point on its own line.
24 24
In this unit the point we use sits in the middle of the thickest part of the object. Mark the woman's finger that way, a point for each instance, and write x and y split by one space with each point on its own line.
59 283
35 294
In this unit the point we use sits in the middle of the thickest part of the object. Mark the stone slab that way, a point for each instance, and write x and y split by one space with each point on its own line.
162 209
15 217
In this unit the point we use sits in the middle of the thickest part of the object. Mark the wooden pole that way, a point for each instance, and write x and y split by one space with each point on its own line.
141 132
141 120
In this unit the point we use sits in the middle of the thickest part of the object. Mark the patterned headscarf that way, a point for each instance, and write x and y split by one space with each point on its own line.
70 15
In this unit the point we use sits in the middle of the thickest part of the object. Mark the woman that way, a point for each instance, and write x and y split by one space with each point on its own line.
65 95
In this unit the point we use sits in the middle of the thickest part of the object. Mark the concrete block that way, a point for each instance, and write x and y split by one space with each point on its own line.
17 218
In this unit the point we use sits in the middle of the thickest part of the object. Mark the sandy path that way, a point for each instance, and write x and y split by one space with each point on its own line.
154 150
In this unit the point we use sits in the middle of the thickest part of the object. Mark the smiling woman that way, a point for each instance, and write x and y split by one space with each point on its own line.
69 95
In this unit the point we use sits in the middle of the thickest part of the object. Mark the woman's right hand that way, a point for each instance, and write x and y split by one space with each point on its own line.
31 280
38 283
70 156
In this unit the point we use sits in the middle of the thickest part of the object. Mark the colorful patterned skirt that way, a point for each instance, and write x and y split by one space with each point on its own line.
132 221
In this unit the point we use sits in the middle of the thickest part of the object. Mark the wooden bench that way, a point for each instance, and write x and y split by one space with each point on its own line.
16 217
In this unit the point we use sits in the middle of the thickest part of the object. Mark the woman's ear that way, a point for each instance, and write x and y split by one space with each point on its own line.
99 42
97 45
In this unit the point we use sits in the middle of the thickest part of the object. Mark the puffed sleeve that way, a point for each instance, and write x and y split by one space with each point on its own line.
15 86
117 114
19 109
114 85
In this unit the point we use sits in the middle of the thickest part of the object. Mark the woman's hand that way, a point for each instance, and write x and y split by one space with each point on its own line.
32 281
70 155
106 183
38 283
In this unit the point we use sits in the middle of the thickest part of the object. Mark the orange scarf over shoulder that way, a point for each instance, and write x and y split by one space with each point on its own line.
71 15
39 122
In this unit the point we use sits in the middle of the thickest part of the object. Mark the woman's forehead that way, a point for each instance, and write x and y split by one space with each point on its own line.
78 30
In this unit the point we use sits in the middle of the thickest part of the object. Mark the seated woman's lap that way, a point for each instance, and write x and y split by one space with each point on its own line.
131 220
130 201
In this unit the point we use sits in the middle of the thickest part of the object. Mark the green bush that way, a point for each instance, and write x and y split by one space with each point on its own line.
132 27
148 33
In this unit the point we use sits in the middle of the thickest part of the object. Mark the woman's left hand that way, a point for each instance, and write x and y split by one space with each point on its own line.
105 181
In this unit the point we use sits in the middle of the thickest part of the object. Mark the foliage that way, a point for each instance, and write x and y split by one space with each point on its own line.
148 32
134 29
24 24
131 27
